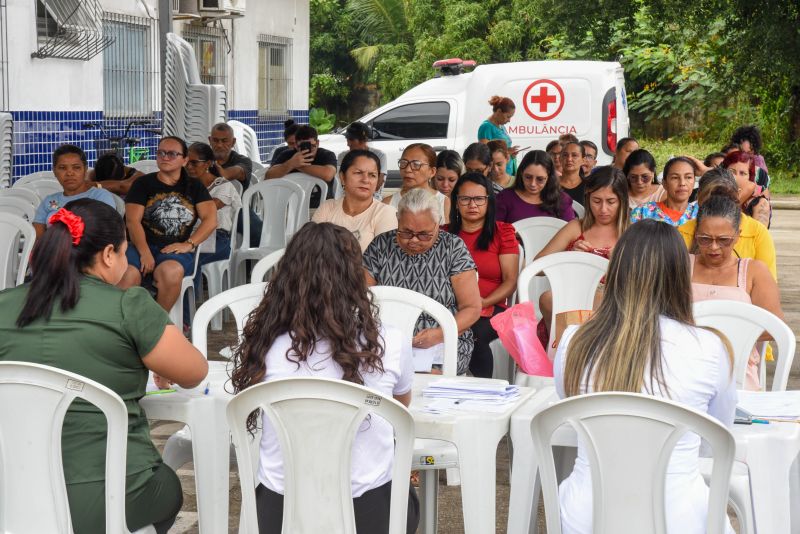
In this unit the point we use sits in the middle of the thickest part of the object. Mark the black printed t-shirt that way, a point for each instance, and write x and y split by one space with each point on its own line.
322 157
169 210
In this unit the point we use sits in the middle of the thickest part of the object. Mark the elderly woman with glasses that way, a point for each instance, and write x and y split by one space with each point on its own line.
417 256
161 210
494 248
719 274
417 169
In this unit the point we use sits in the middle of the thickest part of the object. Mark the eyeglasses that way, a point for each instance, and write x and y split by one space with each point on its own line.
479 201
415 164
540 180
171 154
706 241
194 162
409 235
589 156
643 178
480 170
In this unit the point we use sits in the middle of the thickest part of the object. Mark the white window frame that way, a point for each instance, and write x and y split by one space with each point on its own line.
130 77
270 102
196 35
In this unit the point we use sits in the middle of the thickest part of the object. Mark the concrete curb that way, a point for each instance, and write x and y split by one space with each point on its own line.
786 203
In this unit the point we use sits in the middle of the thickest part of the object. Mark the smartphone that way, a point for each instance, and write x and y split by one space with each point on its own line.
304 146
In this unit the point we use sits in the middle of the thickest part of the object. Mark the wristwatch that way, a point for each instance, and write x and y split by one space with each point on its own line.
194 245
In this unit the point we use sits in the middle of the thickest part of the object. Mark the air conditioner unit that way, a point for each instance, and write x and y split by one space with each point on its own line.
185 9
231 6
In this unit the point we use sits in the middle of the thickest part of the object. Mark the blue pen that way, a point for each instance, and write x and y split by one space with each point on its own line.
206 391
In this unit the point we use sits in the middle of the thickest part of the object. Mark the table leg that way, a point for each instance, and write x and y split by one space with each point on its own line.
211 450
524 491
769 463
477 459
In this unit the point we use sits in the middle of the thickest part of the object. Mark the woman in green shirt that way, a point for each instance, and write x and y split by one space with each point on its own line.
72 316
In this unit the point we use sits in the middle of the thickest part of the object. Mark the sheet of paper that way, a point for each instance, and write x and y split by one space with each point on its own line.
771 404
425 358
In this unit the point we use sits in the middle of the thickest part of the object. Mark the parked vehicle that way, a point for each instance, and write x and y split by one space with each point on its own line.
552 98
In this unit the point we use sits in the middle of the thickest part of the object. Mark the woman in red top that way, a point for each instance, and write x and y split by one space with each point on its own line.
494 248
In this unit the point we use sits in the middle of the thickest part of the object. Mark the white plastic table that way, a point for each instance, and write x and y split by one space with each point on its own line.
769 451
205 416
476 436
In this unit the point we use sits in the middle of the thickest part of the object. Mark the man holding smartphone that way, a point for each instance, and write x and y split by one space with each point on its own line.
309 158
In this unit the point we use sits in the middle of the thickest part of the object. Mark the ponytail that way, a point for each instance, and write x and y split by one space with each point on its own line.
67 248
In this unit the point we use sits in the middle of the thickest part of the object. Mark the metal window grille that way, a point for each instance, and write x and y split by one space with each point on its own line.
274 76
4 85
211 50
130 67
70 29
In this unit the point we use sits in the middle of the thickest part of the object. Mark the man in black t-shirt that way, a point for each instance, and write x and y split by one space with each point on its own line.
309 158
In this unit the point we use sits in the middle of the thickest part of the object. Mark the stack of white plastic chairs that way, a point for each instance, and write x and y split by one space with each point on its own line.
6 145
191 107
246 140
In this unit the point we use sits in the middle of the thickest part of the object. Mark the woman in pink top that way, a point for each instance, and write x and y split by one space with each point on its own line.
718 274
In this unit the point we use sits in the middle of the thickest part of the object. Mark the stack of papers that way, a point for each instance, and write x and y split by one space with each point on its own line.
449 395
773 405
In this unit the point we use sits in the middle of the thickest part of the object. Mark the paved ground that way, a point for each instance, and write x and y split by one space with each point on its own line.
785 231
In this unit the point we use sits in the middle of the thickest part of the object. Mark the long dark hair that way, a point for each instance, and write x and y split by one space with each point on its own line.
57 264
487 232
551 192
205 151
317 293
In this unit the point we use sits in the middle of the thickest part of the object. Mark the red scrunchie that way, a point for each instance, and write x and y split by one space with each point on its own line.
73 222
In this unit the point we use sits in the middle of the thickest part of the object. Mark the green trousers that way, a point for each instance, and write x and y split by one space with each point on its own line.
152 498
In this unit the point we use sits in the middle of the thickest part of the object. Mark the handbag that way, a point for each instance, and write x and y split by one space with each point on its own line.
516 328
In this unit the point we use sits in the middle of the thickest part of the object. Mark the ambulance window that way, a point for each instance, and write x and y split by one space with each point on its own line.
425 120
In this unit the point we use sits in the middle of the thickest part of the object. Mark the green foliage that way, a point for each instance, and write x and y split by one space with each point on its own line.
321 120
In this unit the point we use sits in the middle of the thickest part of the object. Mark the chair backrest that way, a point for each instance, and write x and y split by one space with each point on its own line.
13 262
265 265
17 206
308 183
578 208
238 186
277 197
241 300
400 307
246 140
629 440
21 192
573 276
43 187
536 232
743 324
33 495
145 166
316 421
34 176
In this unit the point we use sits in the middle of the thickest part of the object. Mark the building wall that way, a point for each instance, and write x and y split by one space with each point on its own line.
51 99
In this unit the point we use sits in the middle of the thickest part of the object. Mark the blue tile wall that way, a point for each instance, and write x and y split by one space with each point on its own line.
269 131
38 133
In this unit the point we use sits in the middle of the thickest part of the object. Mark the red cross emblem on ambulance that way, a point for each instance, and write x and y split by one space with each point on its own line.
543 100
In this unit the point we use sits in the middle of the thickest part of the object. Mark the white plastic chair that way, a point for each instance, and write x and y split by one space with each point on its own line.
43 187
276 197
187 291
574 278
18 206
629 438
579 210
246 140
145 166
218 273
21 192
536 232
13 262
265 265
316 421
34 176
308 183
743 324
400 308
33 494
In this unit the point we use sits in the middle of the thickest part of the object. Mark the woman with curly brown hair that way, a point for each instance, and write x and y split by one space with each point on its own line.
317 319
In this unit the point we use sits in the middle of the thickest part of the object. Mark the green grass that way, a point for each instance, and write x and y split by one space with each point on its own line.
783 181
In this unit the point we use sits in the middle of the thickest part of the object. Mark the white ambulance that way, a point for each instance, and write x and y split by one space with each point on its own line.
552 98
